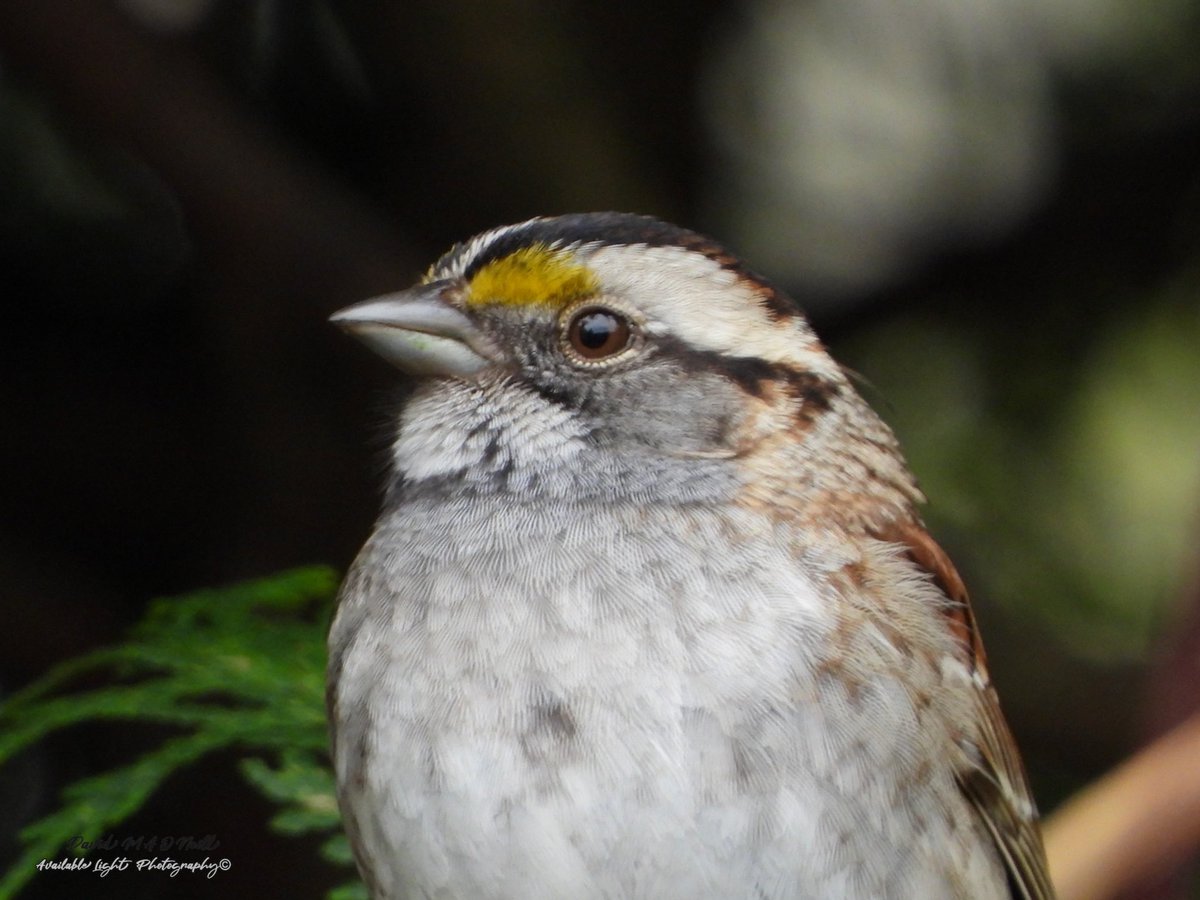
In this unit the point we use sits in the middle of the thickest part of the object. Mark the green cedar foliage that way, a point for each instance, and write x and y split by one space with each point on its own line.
237 668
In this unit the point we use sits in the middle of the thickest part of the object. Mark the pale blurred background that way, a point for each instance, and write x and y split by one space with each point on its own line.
991 209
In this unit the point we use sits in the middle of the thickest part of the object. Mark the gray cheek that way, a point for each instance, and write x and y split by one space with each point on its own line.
668 410
654 403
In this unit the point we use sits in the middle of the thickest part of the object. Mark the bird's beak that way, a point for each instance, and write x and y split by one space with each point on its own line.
419 331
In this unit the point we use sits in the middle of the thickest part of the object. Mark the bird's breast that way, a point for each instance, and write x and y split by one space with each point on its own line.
547 701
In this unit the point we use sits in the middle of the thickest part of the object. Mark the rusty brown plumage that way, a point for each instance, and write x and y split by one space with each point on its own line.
998 787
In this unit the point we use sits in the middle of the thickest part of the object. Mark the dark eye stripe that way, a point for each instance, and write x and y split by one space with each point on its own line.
754 375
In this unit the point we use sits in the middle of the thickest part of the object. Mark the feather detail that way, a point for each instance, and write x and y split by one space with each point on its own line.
997 786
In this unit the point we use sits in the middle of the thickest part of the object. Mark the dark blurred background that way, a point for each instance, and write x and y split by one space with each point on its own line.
991 209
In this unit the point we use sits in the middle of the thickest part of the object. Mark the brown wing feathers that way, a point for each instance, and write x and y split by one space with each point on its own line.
998 788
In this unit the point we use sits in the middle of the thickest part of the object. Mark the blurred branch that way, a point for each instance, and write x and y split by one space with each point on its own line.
1137 822
1131 832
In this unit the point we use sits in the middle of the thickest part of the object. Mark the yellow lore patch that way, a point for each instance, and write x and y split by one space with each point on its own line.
532 276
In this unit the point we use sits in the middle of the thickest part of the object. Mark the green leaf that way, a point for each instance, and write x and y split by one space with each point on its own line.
355 890
304 785
239 668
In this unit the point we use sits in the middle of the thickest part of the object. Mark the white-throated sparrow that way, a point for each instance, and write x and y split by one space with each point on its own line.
649 611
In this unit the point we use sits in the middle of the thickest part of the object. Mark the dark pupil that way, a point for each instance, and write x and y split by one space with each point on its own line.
595 329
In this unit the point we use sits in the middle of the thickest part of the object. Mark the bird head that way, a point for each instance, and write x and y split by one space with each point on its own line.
640 339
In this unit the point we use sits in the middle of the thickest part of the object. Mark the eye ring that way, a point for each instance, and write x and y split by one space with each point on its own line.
597 334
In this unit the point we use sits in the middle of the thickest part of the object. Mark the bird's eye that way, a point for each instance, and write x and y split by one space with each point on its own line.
597 333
